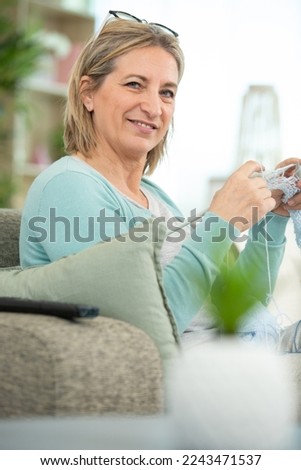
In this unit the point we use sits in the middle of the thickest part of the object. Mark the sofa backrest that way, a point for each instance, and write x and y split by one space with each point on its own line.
9 237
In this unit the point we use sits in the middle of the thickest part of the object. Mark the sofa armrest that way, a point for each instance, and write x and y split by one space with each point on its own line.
52 366
10 220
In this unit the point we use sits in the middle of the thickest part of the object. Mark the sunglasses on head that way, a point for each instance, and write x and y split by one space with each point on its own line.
122 15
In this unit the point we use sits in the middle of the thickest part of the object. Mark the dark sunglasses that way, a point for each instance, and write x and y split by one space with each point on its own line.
122 15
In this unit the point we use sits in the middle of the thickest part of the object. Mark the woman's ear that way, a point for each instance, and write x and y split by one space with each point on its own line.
85 93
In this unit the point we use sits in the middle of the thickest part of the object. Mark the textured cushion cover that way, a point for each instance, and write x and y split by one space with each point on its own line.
52 366
121 278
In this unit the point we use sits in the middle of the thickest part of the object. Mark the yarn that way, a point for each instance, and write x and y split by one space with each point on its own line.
288 186
277 180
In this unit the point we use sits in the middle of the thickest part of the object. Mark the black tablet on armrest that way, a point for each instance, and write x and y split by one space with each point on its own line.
47 307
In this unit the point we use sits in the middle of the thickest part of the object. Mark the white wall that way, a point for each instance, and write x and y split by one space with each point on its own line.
228 44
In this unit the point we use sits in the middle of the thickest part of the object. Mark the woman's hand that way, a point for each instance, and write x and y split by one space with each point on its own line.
243 200
295 202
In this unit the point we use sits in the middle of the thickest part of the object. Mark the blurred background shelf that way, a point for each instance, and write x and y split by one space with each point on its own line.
61 28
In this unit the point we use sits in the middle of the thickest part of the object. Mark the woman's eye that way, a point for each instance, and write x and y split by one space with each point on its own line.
134 85
168 94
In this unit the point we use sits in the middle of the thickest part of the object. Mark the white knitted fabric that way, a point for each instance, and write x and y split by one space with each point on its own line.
289 188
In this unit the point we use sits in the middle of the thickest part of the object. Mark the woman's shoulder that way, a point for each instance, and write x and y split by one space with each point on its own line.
71 182
65 172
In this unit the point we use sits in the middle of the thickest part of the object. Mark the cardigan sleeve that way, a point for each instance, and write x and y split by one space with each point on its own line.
189 278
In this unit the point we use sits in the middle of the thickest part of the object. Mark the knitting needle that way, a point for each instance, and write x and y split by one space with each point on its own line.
190 221
277 172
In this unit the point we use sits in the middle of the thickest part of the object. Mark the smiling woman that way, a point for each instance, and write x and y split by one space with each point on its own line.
140 106
120 107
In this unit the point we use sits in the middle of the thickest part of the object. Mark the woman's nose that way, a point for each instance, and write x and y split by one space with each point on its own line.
151 104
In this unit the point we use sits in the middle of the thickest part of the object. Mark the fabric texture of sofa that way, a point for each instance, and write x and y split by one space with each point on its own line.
52 366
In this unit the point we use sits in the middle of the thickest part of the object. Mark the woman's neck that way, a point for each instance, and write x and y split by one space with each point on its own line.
124 175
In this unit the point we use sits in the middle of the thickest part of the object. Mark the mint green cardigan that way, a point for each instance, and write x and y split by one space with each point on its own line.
70 206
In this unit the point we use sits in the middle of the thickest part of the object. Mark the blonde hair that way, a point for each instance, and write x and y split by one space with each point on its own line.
97 60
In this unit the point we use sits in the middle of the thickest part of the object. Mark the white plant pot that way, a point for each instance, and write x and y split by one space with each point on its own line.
230 394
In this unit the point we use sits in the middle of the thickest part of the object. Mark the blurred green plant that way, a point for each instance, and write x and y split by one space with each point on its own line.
19 57
7 189
19 50
232 298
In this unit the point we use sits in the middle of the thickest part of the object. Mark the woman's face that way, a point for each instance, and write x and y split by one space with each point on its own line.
134 106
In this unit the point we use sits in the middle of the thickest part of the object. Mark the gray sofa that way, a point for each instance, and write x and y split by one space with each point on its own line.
52 366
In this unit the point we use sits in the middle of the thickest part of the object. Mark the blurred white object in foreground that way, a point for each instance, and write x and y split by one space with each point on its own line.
229 394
